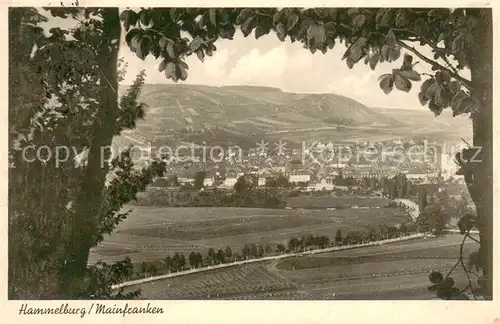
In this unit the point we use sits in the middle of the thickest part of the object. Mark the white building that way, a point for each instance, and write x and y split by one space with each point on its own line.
426 176
185 180
448 166
338 165
310 188
261 182
207 182
323 185
230 182
295 178
333 174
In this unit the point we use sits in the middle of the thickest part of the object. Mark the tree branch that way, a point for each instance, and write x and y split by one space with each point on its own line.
466 83
452 268
475 240
418 36
463 263
445 59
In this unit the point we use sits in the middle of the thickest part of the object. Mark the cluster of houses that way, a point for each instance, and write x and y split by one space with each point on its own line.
306 180
311 177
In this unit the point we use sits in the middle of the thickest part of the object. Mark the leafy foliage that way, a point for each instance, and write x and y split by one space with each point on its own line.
445 287
466 223
100 278
433 218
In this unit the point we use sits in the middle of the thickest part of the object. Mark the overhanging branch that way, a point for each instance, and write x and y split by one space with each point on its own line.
445 59
412 49
418 36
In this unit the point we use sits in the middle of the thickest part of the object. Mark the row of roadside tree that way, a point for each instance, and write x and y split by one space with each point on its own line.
179 262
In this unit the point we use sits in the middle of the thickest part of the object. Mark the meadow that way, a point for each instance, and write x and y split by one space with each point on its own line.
151 233
327 201
233 281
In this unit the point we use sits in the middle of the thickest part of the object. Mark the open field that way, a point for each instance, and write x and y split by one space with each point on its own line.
250 278
392 271
152 233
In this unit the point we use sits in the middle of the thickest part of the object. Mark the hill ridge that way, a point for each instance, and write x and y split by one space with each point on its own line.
219 113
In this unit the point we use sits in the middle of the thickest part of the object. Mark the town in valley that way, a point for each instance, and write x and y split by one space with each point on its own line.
249 154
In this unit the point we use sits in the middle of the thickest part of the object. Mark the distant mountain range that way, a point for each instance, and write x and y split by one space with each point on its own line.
245 114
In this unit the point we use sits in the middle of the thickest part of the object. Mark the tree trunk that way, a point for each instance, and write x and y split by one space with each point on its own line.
86 221
480 181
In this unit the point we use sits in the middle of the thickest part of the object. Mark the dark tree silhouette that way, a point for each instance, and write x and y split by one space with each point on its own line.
338 237
199 179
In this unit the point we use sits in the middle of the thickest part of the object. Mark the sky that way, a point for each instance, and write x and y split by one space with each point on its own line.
288 66
285 65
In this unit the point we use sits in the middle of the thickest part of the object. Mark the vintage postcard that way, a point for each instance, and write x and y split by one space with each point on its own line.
166 159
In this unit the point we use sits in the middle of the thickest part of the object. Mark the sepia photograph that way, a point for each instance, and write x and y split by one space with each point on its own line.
244 153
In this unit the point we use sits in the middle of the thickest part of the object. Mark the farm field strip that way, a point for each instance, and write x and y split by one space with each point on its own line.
404 246
396 285
352 286
345 201
332 274
219 221
251 278
397 254
385 275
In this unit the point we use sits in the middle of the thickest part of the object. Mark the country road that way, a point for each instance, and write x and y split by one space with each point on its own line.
391 271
